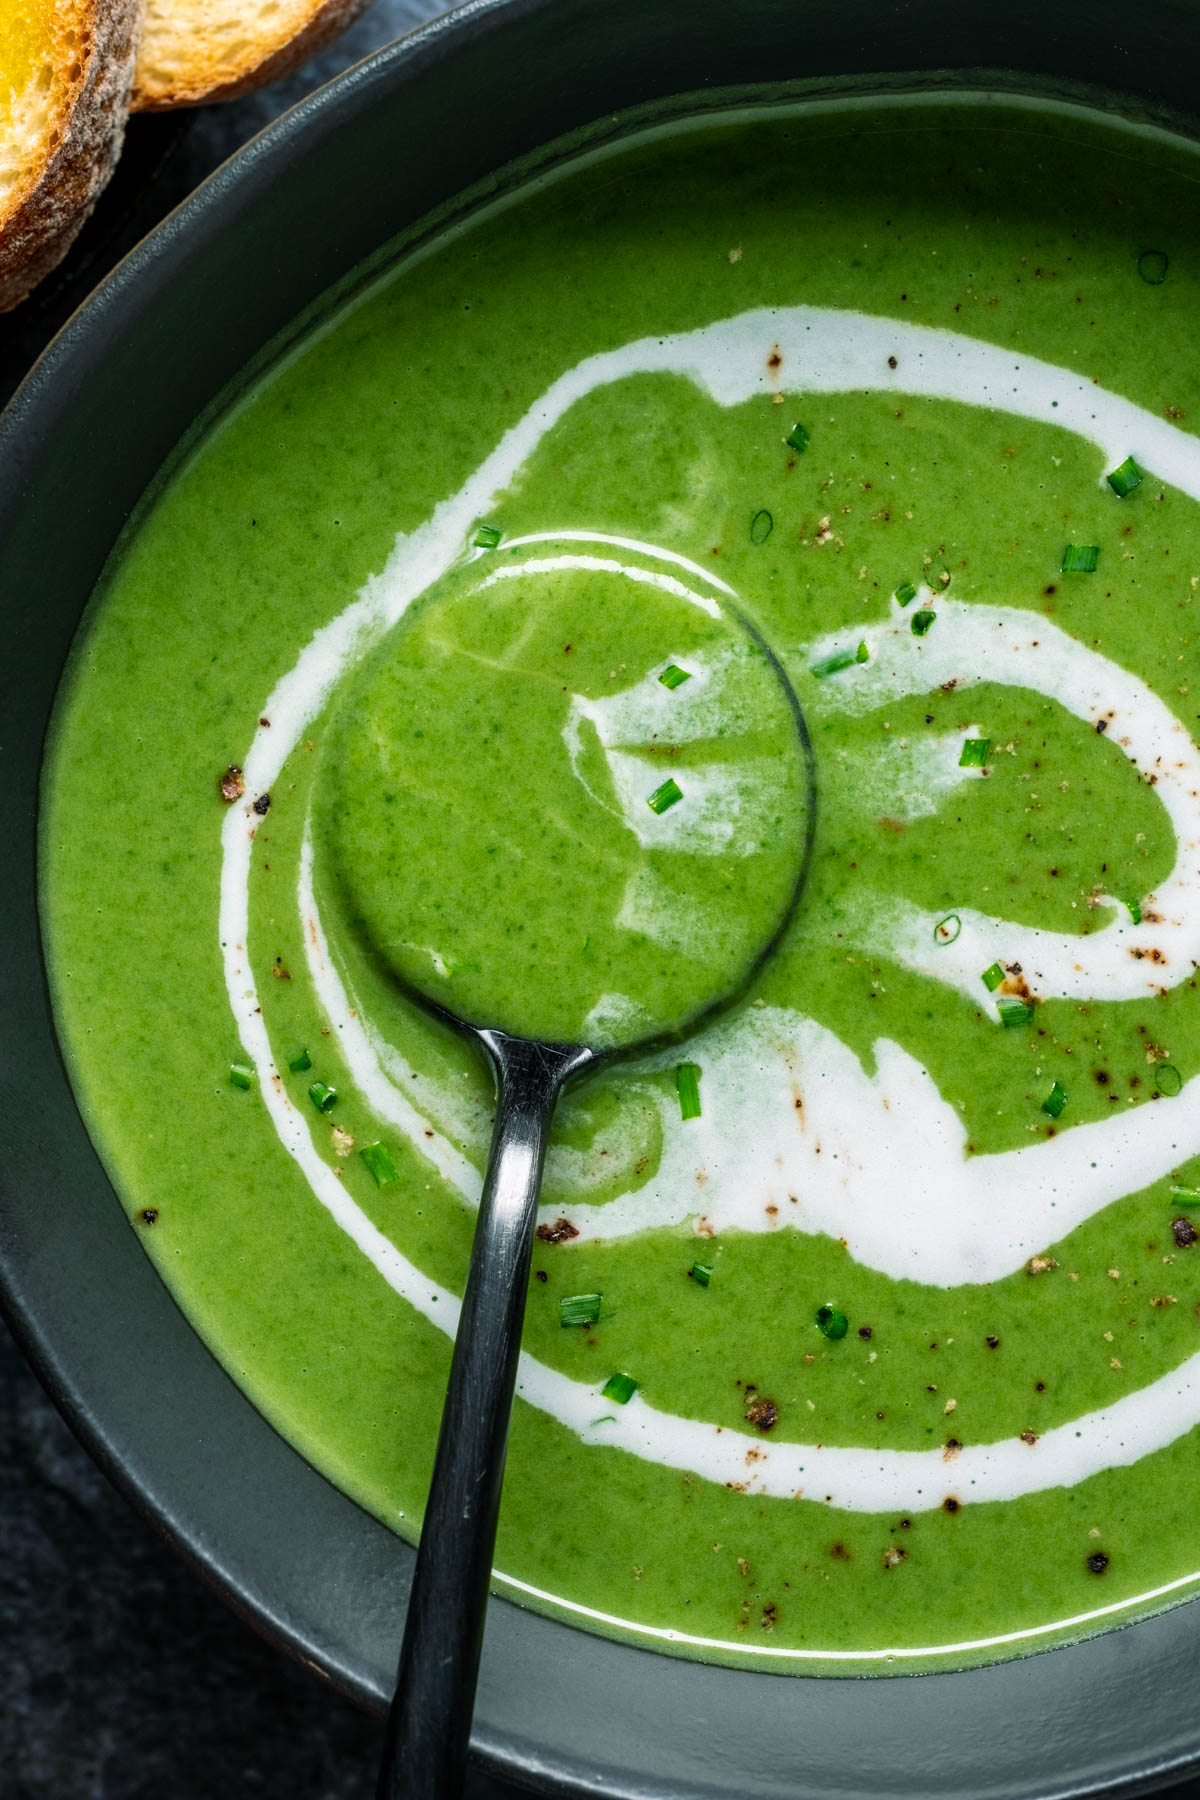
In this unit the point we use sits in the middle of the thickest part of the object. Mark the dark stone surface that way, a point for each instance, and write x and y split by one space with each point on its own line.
122 1677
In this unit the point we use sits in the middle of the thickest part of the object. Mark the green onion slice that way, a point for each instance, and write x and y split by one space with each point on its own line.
300 1061
1055 1100
1124 479
838 659
487 537
1152 266
829 1320
947 929
241 1075
1080 559
323 1098
701 1273
1134 910
1013 1011
579 1309
761 526
378 1159
797 437
1168 1080
673 676
975 753
1183 1193
921 621
906 593
687 1086
992 977
620 1388
665 797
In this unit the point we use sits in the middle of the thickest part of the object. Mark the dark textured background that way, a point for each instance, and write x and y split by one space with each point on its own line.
121 1676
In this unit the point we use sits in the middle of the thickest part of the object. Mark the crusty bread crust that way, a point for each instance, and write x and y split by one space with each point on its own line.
43 216
181 62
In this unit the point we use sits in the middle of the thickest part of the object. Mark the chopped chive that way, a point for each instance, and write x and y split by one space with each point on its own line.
1134 910
323 1098
1013 1011
838 659
1123 480
921 621
1055 1100
579 1309
1080 559
761 526
487 537
797 437
620 1388
687 1086
906 593
673 676
241 1075
664 798
299 1061
829 665
992 977
378 1159
1168 1080
1183 1193
701 1273
1152 266
975 753
829 1320
947 929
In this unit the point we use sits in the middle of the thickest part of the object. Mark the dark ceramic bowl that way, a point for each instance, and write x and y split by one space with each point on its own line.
325 187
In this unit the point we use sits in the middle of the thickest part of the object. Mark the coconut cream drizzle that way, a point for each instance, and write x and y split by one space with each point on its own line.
796 1134
626 724
857 1480
972 644
952 1230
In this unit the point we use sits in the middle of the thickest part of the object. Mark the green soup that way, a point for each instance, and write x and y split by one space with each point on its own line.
900 1273
542 822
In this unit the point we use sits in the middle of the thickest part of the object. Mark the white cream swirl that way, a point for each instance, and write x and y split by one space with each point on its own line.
948 1232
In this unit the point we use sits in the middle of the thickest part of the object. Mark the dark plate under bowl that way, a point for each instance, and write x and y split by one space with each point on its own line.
322 189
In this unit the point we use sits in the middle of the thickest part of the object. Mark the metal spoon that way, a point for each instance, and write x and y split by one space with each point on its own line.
429 1724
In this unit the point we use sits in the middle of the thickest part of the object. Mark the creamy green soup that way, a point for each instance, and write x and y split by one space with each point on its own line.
863 1330
541 821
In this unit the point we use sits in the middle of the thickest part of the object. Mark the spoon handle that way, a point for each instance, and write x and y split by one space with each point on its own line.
429 1725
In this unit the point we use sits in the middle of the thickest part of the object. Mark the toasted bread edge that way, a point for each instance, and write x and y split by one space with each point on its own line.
45 222
203 84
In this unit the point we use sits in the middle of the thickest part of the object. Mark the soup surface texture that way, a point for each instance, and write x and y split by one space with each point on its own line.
901 1273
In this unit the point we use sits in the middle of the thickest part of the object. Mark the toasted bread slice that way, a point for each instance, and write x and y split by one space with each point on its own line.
65 72
194 50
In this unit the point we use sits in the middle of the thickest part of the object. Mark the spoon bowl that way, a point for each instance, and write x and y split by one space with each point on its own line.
616 694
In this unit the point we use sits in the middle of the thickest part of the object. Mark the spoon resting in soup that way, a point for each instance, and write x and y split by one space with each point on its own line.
569 802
